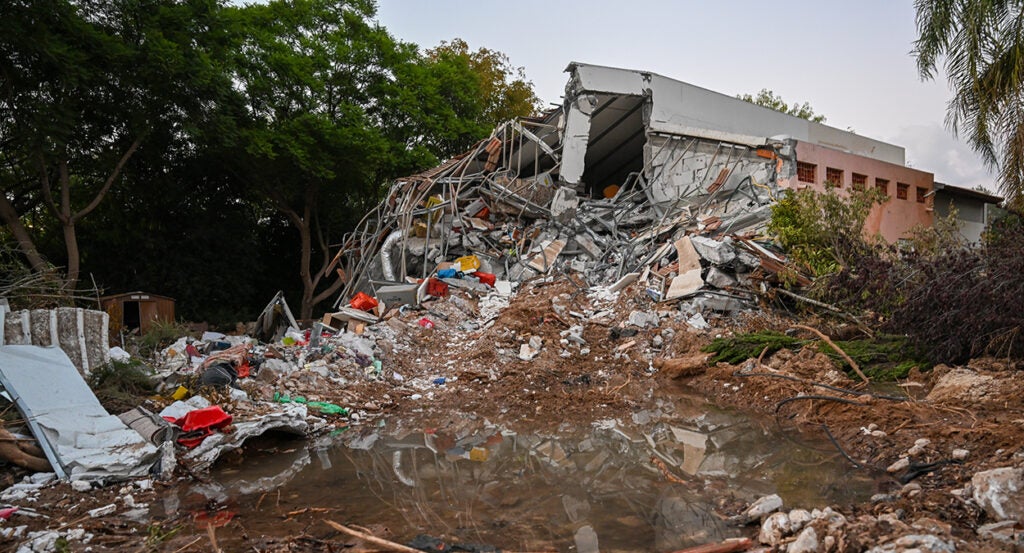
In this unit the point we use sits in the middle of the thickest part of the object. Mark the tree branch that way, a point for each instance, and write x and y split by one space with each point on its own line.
329 291
283 207
10 216
110 181
44 177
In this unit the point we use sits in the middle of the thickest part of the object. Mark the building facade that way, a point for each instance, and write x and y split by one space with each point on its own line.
687 141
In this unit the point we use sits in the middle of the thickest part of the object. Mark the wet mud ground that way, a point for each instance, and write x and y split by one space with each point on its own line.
583 446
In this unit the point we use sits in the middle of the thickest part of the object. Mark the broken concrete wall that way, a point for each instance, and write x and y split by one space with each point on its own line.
682 167
599 187
684 109
83 334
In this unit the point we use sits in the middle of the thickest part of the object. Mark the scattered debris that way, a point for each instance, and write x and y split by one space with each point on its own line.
80 439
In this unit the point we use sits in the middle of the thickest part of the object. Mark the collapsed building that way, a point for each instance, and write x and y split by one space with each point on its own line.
635 176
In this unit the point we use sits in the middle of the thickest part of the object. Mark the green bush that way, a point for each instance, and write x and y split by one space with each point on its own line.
160 335
121 386
741 347
822 231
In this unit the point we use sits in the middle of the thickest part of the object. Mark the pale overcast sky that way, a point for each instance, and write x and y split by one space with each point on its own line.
850 60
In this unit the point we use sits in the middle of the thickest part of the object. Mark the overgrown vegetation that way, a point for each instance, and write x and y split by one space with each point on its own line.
120 386
159 335
213 151
739 348
959 302
883 358
949 301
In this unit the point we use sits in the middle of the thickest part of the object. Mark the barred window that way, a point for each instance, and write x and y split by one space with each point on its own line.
860 182
834 176
901 190
806 172
882 185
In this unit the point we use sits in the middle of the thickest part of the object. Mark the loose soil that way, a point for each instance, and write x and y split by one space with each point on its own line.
977 408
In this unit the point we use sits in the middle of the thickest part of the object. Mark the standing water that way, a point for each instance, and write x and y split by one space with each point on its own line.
655 480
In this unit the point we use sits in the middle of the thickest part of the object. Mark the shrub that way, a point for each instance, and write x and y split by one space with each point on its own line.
159 335
121 386
823 233
963 302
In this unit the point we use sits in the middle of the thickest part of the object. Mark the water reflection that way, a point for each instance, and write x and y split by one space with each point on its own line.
651 482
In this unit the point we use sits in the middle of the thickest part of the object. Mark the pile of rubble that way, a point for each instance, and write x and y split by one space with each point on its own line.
574 192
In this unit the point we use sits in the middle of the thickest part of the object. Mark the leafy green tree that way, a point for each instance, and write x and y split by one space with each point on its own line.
335 107
324 125
86 85
980 44
767 98
497 91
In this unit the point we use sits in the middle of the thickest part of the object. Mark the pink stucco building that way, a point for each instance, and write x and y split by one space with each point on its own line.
909 191
718 152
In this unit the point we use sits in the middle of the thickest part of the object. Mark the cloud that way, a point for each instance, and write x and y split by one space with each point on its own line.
934 149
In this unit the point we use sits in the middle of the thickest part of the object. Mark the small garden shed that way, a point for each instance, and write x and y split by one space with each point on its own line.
132 310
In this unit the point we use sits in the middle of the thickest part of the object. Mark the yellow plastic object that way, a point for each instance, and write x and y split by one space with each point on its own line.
180 394
478 454
433 215
468 263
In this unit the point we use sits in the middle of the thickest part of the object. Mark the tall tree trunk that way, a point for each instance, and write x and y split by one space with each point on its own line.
308 286
25 244
66 215
305 223
71 246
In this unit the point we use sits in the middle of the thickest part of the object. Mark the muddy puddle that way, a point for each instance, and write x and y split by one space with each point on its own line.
647 481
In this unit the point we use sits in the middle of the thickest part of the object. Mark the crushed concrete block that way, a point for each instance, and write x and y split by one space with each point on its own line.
527 353
713 251
717 303
564 204
1007 531
774 529
720 279
759 509
1000 492
643 319
697 322
805 542
103 511
587 244
899 466
921 543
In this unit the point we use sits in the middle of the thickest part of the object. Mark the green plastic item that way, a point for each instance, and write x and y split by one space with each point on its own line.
324 407
328 408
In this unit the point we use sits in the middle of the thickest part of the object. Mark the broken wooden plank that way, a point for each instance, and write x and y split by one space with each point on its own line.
546 259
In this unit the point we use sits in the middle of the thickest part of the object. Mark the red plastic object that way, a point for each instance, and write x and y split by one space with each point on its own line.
243 369
426 323
437 288
483 213
192 439
486 278
203 519
363 302
207 417
6 513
